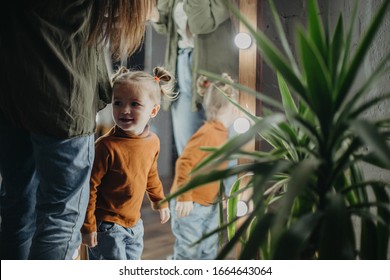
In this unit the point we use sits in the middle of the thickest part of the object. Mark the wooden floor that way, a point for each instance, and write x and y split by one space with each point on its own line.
158 238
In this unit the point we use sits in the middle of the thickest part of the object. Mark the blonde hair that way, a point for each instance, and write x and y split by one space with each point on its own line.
213 93
122 23
162 81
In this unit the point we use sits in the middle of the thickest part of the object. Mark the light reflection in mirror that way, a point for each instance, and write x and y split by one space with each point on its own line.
241 125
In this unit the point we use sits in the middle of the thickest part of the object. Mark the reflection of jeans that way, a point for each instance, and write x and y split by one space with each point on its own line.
185 122
188 230
118 243
44 193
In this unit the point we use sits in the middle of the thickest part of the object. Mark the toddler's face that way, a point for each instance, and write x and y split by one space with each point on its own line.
133 107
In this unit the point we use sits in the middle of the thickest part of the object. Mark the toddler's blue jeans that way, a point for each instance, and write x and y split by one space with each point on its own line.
190 229
116 242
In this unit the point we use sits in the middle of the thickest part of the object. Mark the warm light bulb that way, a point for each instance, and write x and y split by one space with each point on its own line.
241 125
243 40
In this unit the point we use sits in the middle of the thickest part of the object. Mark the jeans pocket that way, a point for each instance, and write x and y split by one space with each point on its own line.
106 227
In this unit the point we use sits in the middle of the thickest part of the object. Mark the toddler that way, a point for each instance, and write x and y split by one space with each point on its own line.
125 167
194 213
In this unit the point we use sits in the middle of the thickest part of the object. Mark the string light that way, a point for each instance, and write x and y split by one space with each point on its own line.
241 125
243 40
242 208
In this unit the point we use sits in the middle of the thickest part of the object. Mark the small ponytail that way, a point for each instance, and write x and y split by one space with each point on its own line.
202 85
119 73
166 82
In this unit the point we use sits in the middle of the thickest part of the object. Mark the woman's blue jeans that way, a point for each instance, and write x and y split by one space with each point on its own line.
185 121
44 193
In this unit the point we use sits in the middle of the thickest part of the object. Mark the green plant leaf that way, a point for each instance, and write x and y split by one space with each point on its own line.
292 241
240 232
372 158
283 39
300 177
220 212
266 169
347 45
367 105
316 29
258 236
362 48
313 166
336 240
383 230
336 51
368 237
372 138
287 99
232 209
350 110
317 79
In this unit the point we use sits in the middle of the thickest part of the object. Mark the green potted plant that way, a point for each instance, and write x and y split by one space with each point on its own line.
309 190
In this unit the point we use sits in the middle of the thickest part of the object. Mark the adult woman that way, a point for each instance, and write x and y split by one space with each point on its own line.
53 81
199 36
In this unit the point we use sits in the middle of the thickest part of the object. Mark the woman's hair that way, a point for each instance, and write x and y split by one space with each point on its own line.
214 95
121 23
162 81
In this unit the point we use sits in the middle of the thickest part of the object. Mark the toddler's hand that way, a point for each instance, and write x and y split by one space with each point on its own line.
90 239
183 208
164 215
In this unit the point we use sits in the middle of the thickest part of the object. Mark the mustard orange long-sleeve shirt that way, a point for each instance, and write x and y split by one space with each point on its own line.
125 167
211 134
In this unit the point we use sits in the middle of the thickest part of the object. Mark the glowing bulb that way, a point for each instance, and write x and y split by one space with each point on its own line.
243 40
241 125
242 208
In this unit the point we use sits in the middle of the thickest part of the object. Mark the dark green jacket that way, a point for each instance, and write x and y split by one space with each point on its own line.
214 48
50 82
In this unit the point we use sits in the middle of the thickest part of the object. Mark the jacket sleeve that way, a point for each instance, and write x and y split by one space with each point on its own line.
164 8
99 169
205 16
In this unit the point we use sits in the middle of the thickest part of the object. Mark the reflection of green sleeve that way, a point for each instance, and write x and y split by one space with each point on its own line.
165 10
205 16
